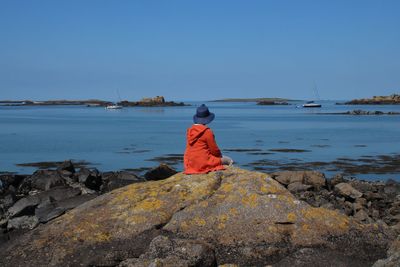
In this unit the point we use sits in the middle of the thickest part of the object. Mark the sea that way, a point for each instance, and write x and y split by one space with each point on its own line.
265 138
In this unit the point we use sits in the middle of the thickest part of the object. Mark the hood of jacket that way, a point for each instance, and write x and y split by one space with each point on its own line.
195 132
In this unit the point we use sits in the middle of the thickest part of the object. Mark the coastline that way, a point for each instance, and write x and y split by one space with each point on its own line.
38 201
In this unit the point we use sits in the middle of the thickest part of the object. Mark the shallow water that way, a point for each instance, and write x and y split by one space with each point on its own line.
130 138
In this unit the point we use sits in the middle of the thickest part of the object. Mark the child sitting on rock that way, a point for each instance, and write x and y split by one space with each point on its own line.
202 154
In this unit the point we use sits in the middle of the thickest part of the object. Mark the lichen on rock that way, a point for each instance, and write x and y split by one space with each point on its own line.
240 217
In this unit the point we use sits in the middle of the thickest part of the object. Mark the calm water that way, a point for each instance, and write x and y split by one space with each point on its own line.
133 137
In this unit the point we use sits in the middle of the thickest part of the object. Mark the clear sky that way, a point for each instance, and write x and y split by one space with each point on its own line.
198 50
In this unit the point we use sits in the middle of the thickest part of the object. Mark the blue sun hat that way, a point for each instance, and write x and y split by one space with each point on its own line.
203 115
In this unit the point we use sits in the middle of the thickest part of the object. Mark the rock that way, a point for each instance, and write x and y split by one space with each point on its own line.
11 180
241 217
312 178
161 172
362 201
357 206
392 188
7 201
24 206
90 178
46 179
361 216
59 193
166 262
190 252
27 205
74 202
372 196
288 177
48 212
365 187
319 258
347 190
24 222
116 180
298 187
315 179
66 166
337 179
393 259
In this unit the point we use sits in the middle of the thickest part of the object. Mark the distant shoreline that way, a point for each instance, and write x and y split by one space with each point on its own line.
252 99
158 101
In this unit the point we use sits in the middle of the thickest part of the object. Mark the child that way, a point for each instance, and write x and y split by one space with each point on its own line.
202 154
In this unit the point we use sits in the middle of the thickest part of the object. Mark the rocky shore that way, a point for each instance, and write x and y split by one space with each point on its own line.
272 103
260 99
28 200
287 218
393 99
362 112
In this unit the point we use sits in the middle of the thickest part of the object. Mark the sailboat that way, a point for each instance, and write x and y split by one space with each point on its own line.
115 106
312 104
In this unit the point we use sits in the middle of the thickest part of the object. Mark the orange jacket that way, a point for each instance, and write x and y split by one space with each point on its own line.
202 154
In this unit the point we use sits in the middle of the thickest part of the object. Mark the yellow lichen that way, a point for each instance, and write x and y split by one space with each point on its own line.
226 187
150 204
233 211
199 221
251 200
291 217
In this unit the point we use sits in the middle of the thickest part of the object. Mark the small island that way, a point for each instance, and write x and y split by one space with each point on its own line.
272 103
393 99
158 101
261 99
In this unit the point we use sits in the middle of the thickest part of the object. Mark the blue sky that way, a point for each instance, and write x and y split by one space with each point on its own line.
198 50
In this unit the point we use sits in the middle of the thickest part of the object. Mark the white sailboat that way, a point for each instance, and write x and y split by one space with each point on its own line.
312 104
115 106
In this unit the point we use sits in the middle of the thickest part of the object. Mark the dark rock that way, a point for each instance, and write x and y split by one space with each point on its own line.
116 180
11 180
46 179
74 202
161 172
66 166
24 206
48 212
24 222
7 201
90 178
27 205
